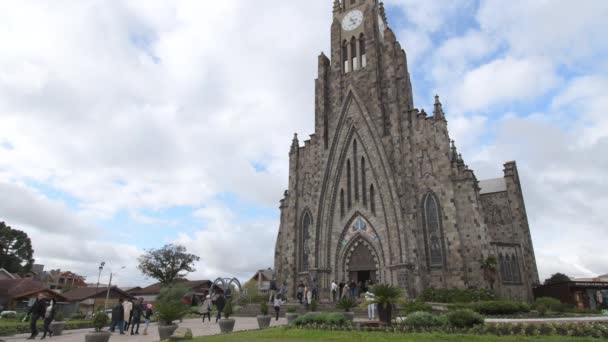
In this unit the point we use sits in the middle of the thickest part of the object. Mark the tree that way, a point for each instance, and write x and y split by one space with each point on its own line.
488 266
557 278
167 264
16 253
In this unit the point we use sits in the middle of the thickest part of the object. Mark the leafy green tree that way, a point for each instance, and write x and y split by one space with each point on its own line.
557 278
167 264
16 253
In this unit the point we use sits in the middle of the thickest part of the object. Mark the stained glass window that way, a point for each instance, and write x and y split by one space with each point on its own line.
434 236
304 246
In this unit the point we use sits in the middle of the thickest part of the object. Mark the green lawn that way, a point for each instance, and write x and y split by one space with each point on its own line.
294 335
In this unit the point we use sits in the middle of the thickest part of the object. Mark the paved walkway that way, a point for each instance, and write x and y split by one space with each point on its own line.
198 329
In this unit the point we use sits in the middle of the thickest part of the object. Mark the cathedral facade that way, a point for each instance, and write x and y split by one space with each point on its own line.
380 193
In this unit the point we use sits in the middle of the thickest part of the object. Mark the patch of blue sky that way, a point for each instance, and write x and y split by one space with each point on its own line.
5 144
53 193
246 210
259 166
143 41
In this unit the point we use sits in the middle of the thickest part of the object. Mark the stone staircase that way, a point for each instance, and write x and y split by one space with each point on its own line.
253 310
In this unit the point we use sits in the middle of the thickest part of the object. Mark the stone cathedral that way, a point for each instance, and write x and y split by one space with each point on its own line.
380 193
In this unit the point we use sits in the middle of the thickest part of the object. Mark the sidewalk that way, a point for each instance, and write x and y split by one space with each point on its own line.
198 329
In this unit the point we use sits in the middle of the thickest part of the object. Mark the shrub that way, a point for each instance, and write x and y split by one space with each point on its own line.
228 309
500 307
416 306
77 316
316 319
264 308
346 304
59 317
423 319
545 304
170 305
292 309
456 295
9 316
464 318
100 321
314 305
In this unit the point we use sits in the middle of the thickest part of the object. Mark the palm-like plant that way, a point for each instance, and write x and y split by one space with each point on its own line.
385 296
489 266
346 304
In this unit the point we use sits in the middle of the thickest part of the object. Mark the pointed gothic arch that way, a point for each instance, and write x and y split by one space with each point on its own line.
433 231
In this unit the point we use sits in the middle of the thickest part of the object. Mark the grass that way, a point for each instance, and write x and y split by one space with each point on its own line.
296 335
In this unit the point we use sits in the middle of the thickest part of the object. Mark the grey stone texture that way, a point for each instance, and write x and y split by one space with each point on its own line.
368 134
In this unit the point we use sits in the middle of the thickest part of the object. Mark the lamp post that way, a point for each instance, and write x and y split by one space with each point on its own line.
103 263
109 287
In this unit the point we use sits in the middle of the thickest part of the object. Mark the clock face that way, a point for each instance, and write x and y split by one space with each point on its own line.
352 20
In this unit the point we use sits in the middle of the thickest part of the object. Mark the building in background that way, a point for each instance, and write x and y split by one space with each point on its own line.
20 294
86 299
262 279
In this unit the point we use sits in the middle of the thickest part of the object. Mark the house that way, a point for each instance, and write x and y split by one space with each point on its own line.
88 299
198 289
262 279
20 294
582 293
6 275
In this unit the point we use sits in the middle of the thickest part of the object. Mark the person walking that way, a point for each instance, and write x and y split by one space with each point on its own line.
341 288
352 286
49 316
371 307
138 311
205 309
300 292
277 305
118 317
128 312
272 291
309 297
220 302
148 316
36 311
334 290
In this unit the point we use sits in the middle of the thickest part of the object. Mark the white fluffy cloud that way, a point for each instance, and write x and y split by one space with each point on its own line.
138 106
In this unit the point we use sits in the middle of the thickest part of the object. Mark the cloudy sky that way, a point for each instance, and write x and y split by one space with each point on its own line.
125 125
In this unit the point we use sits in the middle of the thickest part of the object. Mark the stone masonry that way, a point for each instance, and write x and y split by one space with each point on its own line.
380 193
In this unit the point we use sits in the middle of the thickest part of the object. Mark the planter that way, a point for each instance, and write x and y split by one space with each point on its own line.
165 331
350 316
291 317
226 325
385 313
102 336
57 328
264 321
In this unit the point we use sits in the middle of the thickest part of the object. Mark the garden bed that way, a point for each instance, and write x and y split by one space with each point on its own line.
13 327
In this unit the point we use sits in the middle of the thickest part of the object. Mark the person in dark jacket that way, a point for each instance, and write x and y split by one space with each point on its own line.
49 316
148 317
220 302
118 317
138 310
36 312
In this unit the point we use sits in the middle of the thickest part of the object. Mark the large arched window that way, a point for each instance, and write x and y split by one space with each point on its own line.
304 241
356 174
363 182
372 198
433 232
349 187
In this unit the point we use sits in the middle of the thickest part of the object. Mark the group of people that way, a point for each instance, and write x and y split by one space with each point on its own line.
129 314
42 309
207 306
348 290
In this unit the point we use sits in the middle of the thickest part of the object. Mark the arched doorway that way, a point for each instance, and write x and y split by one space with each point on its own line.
361 263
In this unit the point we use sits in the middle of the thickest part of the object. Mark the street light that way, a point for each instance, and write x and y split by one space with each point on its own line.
105 307
103 263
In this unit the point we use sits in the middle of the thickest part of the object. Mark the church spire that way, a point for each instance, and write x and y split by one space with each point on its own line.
337 6
295 144
382 12
454 152
438 112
